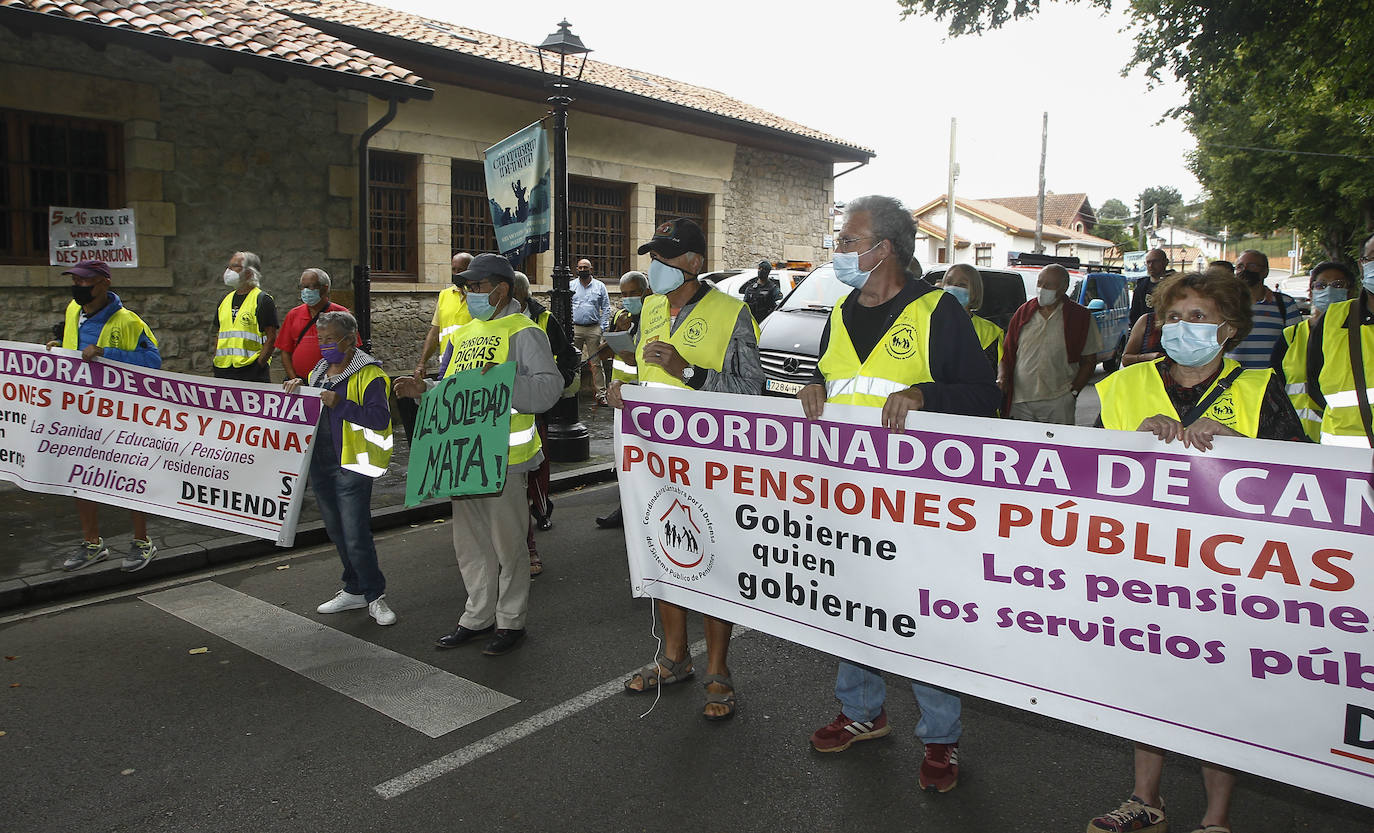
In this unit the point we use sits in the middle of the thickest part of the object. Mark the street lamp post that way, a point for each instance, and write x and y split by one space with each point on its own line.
568 439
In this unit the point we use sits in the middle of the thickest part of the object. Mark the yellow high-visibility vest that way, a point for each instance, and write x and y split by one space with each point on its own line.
1133 394
900 359
1341 423
989 332
121 330
701 339
1295 372
362 449
478 343
453 313
240 336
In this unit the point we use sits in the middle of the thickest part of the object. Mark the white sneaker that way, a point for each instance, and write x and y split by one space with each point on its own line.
343 600
379 610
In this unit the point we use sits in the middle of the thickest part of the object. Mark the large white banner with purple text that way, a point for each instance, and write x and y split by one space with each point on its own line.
230 455
1215 604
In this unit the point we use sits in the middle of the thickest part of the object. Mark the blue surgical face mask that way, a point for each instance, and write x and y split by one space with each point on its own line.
960 294
1368 277
664 278
1189 343
310 297
1325 297
479 306
632 304
847 268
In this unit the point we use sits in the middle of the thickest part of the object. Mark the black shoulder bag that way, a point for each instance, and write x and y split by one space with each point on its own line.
1357 367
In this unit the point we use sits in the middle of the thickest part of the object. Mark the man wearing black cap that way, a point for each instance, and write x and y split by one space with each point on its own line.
489 532
98 324
692 337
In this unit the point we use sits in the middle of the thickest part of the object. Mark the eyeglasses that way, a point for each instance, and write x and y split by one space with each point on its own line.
842 243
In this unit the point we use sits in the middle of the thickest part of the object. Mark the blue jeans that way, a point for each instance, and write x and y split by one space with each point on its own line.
861 691
345 501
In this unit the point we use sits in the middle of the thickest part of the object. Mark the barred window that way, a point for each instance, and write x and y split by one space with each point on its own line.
982 254
53 160
391 215
471 213
669 205
599 226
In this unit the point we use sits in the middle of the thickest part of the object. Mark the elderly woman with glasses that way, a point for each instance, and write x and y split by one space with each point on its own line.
352 448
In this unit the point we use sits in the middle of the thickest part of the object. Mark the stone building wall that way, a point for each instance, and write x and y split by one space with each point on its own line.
213 162
777 207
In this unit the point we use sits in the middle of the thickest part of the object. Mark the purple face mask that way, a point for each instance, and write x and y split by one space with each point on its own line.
332 353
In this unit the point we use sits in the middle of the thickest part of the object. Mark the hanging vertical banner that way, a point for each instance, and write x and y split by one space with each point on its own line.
77 234
518 191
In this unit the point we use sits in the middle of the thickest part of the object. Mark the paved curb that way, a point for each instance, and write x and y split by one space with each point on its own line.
57 584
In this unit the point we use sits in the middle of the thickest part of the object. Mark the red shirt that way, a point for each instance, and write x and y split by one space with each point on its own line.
301 340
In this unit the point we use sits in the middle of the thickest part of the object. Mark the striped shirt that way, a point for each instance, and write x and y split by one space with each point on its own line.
1268 326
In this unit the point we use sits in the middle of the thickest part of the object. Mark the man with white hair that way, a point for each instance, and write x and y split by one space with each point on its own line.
299 339
246 323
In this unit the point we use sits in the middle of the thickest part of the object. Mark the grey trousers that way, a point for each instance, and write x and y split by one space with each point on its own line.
489 541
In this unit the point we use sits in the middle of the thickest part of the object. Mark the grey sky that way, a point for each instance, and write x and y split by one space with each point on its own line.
855 71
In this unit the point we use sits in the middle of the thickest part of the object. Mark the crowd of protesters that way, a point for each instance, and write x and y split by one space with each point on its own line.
1210 353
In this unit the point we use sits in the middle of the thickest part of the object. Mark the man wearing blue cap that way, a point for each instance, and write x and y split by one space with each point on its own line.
98 324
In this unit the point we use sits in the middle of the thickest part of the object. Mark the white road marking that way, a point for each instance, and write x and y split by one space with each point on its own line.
427 699
460 758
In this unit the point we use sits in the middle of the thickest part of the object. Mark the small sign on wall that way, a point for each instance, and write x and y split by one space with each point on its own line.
77 234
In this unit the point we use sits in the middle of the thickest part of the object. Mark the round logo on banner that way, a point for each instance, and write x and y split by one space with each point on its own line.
679 534
696 331
902 343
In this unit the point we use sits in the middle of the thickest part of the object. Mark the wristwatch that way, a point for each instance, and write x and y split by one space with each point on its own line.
688 373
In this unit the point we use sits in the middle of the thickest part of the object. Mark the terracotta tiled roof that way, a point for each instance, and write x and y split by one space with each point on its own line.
1013 221
457 38
242 26
1060 209
931 229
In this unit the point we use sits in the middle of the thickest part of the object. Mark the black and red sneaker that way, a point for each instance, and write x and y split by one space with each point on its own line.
940 769
840 733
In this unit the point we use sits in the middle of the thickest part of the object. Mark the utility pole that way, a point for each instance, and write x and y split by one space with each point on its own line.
1140 219
949 197
1040 201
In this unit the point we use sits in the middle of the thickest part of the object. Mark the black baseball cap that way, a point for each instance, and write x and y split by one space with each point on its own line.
676 237
486 266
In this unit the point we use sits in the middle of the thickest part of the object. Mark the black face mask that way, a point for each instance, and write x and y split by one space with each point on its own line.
83 295
1250 276
584 275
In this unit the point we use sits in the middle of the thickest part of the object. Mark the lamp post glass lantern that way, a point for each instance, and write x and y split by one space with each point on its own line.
562 59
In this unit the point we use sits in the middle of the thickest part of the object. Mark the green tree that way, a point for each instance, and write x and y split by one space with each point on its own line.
1278 97
1113 209
1159 202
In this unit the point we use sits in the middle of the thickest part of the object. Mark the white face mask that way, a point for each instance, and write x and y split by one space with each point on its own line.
1047 297
664 278
231 279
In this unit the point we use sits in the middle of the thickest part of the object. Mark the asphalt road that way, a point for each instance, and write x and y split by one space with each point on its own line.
111 723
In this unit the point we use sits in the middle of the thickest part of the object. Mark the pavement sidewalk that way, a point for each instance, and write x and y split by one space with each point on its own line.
40 529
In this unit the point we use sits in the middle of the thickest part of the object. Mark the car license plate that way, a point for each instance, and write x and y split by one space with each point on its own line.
778 386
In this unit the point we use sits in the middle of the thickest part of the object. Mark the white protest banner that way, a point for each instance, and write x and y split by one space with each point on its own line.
77 234
230 455
1216 604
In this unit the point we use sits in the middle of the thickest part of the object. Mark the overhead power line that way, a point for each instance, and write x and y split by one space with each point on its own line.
1291 152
